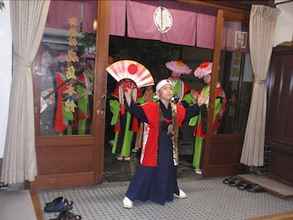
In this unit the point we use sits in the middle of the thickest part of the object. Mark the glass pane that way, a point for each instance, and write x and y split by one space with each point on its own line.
64 69
236 80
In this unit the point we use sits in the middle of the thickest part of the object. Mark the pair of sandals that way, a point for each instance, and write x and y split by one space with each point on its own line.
67 215
235 181
63 206
3 186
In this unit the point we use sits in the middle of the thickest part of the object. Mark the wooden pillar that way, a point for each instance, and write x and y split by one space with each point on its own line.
214 80
100 88
216 67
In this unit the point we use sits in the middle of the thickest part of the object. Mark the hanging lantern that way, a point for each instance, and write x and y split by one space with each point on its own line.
95 24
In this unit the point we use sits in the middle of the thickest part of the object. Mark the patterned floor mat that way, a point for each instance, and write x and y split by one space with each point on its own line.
208 199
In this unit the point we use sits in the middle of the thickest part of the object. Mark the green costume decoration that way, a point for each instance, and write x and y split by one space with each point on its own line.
200 133
124 133
82 104
128 136
114 108
68 117
188 98
199 136
197 149
177 89
140 100
218 101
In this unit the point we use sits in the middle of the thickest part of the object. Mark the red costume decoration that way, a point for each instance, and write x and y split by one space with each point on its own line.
152 112
59 125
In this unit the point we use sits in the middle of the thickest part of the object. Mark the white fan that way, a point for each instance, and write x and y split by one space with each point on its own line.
129 69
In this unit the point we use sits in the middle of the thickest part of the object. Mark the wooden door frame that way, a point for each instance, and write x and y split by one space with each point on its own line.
100 89
223 14
212 139
90 148
216 67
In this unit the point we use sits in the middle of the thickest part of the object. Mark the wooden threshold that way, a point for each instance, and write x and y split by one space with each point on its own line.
37 205
270 185
282 216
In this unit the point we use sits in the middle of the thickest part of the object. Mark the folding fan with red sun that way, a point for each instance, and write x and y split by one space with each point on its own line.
129 69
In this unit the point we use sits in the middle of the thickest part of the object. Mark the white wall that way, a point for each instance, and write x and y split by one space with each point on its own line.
5 71
284 29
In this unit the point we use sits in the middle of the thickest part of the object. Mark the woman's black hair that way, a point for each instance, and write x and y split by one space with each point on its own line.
145 88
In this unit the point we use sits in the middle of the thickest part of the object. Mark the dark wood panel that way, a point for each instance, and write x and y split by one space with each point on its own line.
225 149
224 155
65 160
282 163
71 141
64 180
224 170
288 98
276 88
280 99
279 135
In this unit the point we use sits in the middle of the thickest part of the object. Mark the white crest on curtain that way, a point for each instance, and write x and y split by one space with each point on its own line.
261 33
28 19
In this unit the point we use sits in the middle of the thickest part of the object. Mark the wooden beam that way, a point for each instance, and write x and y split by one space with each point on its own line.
243 4
230 13
212 4
233 16
100 86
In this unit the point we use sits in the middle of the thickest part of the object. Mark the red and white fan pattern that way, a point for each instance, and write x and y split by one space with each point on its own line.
129 69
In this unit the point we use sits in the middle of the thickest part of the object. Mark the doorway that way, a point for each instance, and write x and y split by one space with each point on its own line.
153 55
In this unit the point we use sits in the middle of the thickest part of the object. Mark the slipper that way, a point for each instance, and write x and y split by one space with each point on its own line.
55 205
3 186
55 201
255 188
67 215
243 185
58 205
235 182
228 179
